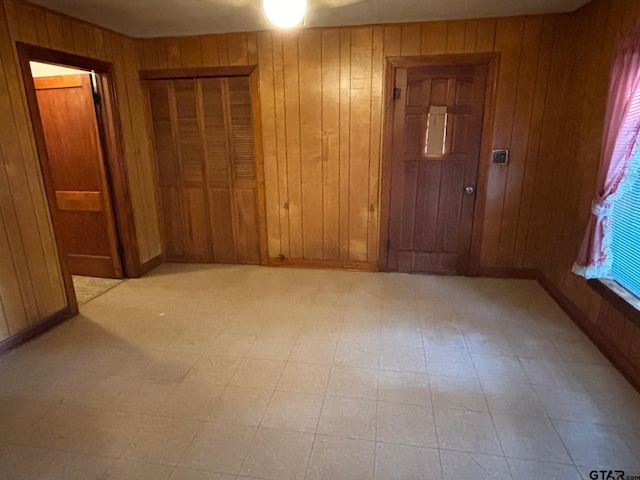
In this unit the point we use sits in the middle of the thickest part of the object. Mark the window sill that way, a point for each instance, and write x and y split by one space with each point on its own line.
620 298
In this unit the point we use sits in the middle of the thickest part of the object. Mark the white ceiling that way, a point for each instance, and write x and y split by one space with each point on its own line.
156 18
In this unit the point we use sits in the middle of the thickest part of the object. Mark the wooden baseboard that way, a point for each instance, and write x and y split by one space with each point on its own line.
508 272
36 329
630 371
149 265
330 264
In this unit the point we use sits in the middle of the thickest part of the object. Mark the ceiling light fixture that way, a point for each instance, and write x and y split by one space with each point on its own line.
285 13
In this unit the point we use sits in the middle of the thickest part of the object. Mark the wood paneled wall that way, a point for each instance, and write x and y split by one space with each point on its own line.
37 26
568 170
322 112
31 286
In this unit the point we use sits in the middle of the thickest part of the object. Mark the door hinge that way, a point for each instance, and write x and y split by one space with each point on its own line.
388 244
397 93
97 99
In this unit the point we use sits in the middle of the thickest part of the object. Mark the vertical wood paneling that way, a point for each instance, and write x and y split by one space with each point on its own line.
149 240
191 51
568 162
456 35
508 42
292 125
269 141
520 137
345 135
210 54
310 78
322 124
281 145
174 58
377 73
533 146
331 144
54 27
238 49
30 277
80 38
434 38
411 39
359 148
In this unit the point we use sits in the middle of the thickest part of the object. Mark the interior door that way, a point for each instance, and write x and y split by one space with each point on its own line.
437 129
85 223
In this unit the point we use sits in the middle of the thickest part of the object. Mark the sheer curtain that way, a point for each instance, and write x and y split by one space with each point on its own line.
620 146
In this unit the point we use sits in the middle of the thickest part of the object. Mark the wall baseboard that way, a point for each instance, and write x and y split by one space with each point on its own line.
149 265
331 264
36 329
630 371
509 272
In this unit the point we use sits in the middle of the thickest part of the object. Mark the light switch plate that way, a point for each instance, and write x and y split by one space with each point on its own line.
500 157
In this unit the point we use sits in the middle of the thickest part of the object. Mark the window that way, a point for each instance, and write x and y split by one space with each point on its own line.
625 227
611 246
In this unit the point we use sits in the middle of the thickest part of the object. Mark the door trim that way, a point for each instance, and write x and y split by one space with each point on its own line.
394 63
117 176
250 71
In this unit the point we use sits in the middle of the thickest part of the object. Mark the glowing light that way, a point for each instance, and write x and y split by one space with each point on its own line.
285 13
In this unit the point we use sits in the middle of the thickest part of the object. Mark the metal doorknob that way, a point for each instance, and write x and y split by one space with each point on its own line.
469 190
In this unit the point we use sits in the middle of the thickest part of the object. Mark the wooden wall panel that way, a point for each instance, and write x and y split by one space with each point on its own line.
31 24
322 114
567 164
31 286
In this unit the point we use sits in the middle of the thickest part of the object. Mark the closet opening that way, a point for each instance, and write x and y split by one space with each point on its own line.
206 137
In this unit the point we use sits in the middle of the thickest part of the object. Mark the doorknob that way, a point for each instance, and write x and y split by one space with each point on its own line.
469 190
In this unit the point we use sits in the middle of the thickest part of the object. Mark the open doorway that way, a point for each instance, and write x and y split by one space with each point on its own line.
67 101
74 115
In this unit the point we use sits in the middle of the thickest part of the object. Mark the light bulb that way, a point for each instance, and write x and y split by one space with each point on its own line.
285 13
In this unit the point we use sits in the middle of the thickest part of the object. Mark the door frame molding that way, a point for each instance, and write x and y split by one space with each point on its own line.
113 152
250 71
491 60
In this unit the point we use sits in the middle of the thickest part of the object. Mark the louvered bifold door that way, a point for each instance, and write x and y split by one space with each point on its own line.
218 166
203 139
243 169
161 100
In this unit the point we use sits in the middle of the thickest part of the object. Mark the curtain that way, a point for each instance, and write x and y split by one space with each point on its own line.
620 145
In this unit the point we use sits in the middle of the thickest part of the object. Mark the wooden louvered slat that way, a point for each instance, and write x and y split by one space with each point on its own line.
189 136
164 146
216 138
243 160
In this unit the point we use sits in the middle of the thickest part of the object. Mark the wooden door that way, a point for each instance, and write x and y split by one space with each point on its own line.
437 129
204 146
85 223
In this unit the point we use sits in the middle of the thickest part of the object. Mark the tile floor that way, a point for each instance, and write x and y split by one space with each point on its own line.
228 372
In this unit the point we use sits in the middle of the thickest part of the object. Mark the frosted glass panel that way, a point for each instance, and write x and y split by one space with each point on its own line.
436 130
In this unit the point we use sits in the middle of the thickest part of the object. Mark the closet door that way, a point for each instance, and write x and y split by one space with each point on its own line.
203 139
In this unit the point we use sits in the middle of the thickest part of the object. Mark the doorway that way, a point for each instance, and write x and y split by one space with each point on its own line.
76 127
86 229
436 119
